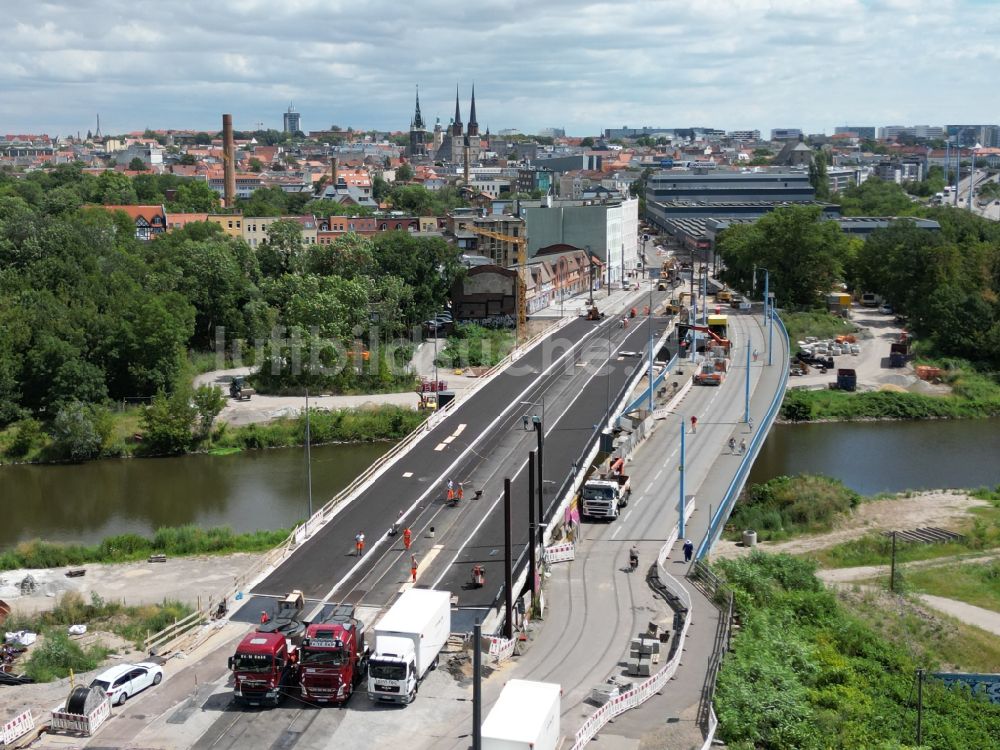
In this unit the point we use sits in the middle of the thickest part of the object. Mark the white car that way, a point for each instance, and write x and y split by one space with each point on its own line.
125 680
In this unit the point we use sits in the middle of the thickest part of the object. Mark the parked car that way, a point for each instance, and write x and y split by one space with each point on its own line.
886 309
125 680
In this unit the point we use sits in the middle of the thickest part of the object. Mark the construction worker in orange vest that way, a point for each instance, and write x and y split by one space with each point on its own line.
407 535
451 495
413 567
461 491
359 543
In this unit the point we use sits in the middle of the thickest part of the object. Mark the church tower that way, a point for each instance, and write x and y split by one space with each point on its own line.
456 124
473 125
418 133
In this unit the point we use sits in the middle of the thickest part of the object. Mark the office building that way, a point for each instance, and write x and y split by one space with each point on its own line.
786 134
987 136
864 132
291 121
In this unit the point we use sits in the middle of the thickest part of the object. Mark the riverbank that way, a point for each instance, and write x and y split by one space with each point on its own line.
27 442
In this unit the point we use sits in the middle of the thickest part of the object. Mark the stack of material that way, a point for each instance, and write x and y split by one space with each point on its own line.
643 654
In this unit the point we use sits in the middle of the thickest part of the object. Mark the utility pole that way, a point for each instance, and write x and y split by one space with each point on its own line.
649 324
309 480
531 523
920 707
590 264
892 565
539 426
680 522
746 389
477 686
508 575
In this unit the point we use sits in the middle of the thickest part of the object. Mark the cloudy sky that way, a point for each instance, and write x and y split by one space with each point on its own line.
580 65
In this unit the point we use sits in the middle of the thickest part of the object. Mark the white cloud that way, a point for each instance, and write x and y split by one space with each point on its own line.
576 64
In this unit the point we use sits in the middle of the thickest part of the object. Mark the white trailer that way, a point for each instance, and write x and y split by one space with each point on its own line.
407 643
525 717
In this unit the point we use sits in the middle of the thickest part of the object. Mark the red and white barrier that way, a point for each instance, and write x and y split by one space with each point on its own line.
560 553
80 724
501 649
17 727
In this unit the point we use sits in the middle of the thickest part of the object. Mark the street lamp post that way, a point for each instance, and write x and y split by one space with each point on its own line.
590 263
649 324
680 469
768 311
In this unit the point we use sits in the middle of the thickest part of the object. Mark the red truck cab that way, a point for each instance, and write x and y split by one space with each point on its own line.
263 667
333 658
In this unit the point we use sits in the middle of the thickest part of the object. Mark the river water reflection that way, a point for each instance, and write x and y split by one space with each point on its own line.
247 491
873 457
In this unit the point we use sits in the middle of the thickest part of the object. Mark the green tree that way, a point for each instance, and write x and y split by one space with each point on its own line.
115 189
804 252
404 173
137 164
818 177
282 248
875 197
349 256
209 401
587 142
80 431
256 165
167 423
428 266
194 196
187 160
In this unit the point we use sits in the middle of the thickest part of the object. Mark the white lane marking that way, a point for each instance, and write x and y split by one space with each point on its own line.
459 430
435 486
659 474
441 446
428 559
495 503
407 474
625 517
617 530
447 440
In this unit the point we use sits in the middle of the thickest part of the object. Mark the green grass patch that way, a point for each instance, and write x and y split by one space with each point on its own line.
818 323
336 426
788 506
224 451
806 406
931 637
804 672
57 654
176 541
974 583
472 345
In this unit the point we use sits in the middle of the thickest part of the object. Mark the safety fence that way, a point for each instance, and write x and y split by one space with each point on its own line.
84 724
557 553
17 727
645 690
501 649
718 520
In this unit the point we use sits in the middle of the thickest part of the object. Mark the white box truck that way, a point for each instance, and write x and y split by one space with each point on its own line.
525 717
407 643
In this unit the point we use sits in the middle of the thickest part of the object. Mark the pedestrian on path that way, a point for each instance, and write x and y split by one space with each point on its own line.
413 567
754 355
407 536
688 550
743 446
694 424
732 445
750 423
359 543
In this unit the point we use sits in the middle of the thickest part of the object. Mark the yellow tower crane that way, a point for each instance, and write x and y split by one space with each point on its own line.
521 245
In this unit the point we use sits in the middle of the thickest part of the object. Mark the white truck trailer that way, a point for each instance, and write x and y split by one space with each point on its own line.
408 641
525 717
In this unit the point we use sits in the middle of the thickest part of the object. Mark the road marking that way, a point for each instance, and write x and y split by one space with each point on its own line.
407 474
658 475
625 517
447 440
441 446
617 529
428 559
458 430
469 449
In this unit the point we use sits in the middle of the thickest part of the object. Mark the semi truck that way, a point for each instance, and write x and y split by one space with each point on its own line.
408 641
263 667
525 717
603 497
333 658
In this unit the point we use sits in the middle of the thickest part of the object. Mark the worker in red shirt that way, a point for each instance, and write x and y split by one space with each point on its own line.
359 543
694 424
413 567
407 535
264 619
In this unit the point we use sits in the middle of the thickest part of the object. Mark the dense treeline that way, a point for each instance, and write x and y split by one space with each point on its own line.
946 283
90 315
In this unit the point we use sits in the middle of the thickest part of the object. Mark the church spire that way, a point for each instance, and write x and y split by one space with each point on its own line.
473 125
456 124
418 120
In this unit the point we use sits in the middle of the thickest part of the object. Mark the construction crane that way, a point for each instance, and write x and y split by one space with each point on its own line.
521 246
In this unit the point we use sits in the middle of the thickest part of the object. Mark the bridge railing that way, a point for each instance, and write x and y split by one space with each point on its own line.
721 514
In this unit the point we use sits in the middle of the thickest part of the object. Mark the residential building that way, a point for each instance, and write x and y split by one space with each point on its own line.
232 224
894 132
591 161
497 236
179 221
786 134
291 121
625 132
910 169
150 221
151 154
864 132
255 228
743 135
842 178
246 183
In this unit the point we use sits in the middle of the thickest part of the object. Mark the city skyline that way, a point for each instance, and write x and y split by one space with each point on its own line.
738 64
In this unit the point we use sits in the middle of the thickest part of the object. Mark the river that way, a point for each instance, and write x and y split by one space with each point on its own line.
873 457
264 489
